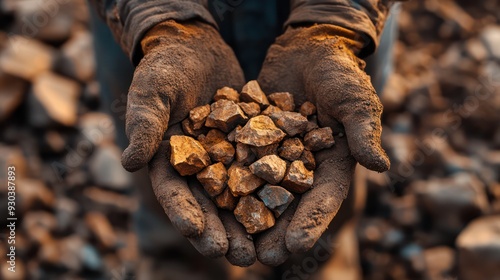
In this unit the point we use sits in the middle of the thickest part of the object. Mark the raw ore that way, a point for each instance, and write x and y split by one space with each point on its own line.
251 152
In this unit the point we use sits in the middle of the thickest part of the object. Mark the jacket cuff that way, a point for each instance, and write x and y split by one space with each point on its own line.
138 16
368 26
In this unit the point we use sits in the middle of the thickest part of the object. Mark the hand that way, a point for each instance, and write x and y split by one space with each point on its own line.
319 64
183 66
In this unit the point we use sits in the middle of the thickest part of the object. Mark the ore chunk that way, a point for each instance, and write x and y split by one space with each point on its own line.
290 122
253 214
187 155
226 200
307 109
271 110
213 137
307 158
225 115
311 125
318 139
270 168
222 152
227 93
283 100
242 181
291 149
243 154
252 92
231 136
199 115
276 198
213 178
265 151
259 131
187 127
298 179
251 109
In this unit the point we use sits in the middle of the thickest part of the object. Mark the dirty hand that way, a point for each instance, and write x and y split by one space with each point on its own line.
319 64
183 66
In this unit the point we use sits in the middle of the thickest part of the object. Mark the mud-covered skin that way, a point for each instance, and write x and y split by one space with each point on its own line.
183 66
319 64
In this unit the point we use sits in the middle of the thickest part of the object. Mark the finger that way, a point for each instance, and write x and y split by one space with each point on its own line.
146 121
213 242
241 248
319 206
173 194
270 245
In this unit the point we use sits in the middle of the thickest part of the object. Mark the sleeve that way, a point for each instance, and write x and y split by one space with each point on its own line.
129 20
365 17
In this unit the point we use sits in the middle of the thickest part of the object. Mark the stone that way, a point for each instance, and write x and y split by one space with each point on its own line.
231 136
275 198
227 93
439 262
33 193
253 215
97 127
251 109
106 169
241 180
188 129
491 38
479 249
213 137
270 168
319 139
291 149
311 125
298 179
213 178
57 97
290 122
307 158
12 94
77 57
260 131
226 200
199 115
252 92
307 109
270 110
222 152
225 115
101 228
260 152
283 100
109 201
187 155
244 154
26 58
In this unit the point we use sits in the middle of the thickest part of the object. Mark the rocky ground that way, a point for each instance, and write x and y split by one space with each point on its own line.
434 215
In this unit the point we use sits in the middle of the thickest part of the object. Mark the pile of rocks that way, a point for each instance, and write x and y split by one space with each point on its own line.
249 143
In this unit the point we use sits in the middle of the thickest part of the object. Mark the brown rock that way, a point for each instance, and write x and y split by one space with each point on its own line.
77 59
222 152
253 214
291 149
226 200
290 122
276 198
259 131
231 136
213 178
242 181
106 169
101 228
213 137
33 193
265 151
251 109
298 179
307 158
307 109
199 115
225 115
12 89
270 110
283 100
311 125
318 139
188 128
97 127
187 155
227 93
244 154
270 168
252 92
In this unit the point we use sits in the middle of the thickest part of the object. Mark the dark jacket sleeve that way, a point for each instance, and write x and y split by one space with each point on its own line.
366 17
129 20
